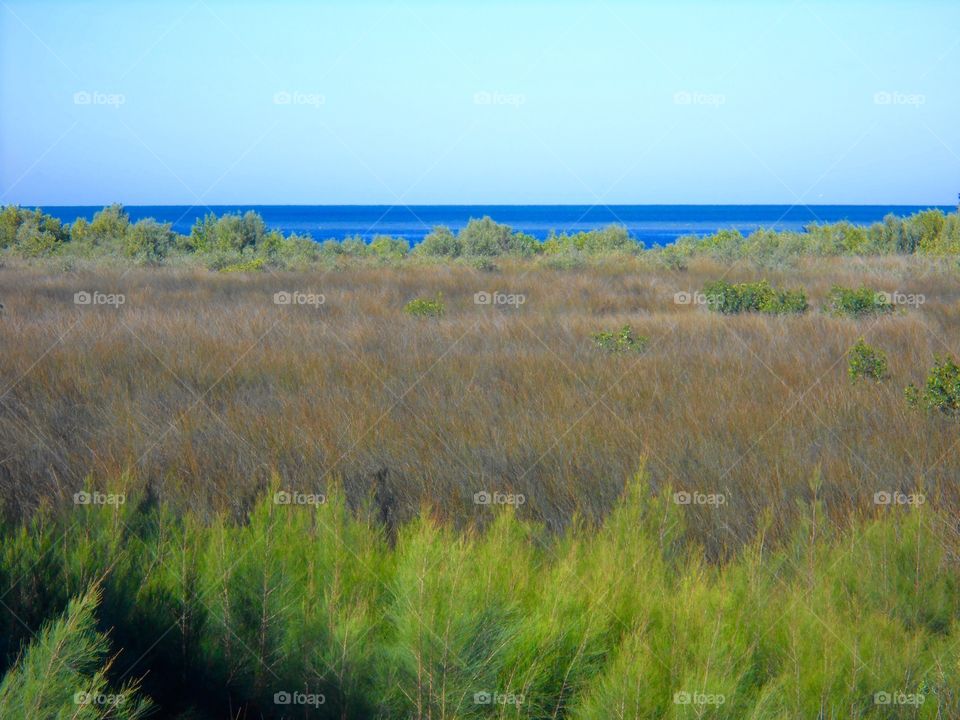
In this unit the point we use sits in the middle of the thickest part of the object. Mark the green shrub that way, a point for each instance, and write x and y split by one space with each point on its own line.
63 673
230 232
866 362
425 307
148 241
760 296
10 218
34 239
486 238
857 302
386 247
440 242
673 258
252 265
623 340
608 240
31 233
107 230
941 391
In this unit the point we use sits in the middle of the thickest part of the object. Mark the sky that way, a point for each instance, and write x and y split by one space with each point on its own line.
410 102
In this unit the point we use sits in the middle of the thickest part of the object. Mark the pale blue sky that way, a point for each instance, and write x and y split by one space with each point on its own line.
411 102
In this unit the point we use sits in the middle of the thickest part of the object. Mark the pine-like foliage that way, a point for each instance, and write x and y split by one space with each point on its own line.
62 673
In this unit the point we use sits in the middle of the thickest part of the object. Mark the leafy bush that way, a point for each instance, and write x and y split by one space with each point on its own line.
730 299
37 238
866 362
31 233
486 238
386 247
623 340
941 391
425 307
602 241
857 302
230 232
440 242
148 241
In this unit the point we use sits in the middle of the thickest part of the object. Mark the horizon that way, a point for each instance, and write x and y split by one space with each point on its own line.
929 206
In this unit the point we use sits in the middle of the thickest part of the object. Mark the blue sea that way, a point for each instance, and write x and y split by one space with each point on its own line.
652 224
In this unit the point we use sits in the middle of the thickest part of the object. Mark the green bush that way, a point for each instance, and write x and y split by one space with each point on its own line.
230 232
440 242
486 238
857 302
245 266
624 340
63 673
31 233
609 240
866 362
941 391
760 296
425 307
386 247
148 241
37 238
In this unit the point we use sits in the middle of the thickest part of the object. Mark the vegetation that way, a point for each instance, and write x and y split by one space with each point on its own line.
941 391
858 302
425 307
624 340
868 362
233 240
729 299
62 672
262 501
310 610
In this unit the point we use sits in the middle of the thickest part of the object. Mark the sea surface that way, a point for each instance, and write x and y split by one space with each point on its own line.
652 224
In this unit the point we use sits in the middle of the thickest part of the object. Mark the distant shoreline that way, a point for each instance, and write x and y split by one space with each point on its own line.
653 224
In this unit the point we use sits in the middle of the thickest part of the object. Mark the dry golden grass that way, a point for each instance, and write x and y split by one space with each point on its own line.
200 387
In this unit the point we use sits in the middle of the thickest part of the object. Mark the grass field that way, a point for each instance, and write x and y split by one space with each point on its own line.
710 520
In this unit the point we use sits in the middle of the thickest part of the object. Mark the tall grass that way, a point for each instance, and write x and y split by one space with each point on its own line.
199 388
